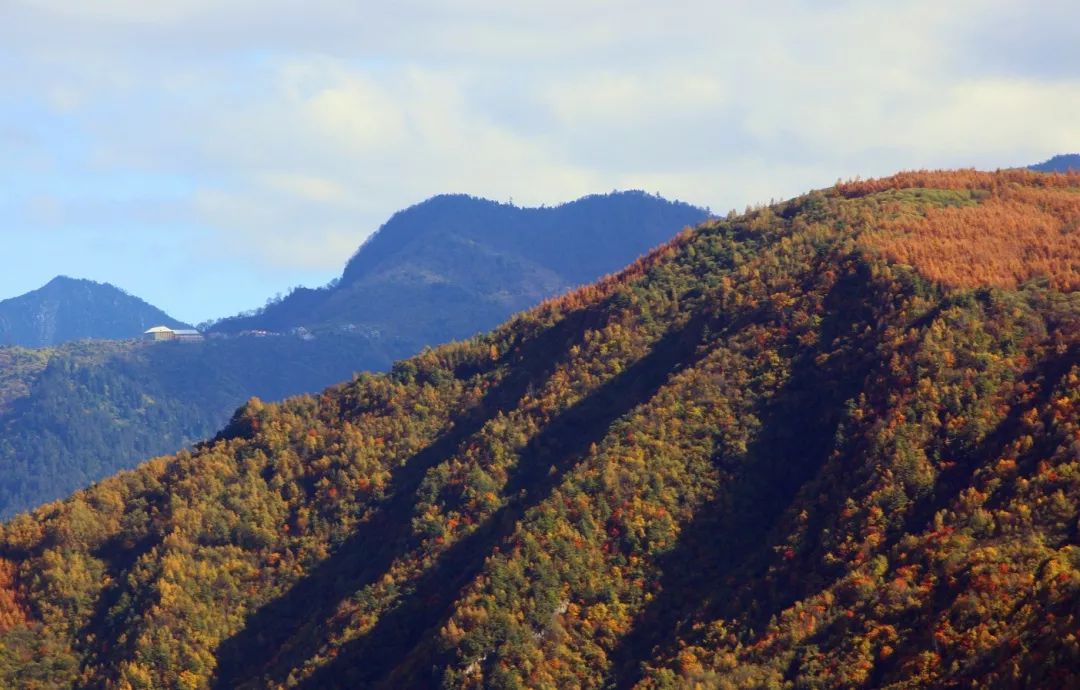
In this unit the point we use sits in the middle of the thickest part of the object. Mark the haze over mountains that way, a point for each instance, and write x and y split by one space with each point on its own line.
69 309
441 270
830 443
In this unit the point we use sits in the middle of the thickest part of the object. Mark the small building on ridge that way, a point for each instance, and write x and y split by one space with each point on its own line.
163 333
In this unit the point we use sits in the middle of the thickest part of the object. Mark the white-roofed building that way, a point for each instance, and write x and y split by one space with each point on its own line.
161 333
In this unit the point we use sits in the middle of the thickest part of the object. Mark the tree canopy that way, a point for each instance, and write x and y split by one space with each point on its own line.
765 455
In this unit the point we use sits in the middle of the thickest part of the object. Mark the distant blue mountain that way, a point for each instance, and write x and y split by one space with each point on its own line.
455 265
443 269
69 309
1062 163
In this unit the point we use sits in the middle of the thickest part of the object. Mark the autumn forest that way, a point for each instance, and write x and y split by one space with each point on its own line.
832 442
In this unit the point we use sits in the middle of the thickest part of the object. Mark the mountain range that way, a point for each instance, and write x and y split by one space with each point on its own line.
1062 163
829 443
454 265
67 309
442 270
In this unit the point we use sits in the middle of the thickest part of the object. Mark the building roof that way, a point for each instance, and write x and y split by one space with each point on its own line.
174 331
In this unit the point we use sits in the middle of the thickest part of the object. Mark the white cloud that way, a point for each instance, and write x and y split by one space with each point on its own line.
1007 117
297 128
324 157
307 188
277 236
607 98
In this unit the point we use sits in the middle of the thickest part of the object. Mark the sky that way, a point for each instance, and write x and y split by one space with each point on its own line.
209 154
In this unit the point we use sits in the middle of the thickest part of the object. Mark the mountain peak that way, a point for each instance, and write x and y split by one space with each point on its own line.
67 308
544 232
65 282
454 264
63 279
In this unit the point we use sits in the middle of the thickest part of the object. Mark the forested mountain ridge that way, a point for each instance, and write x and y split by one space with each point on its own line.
453 265
67 309
1061 163
447 268
76 413
787 449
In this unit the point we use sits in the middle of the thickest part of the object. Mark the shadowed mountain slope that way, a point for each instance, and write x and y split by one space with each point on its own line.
444 269
769 454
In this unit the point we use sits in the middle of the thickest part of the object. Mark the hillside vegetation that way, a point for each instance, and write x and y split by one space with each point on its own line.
79 412
447 268
766 455
987 230
18 369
